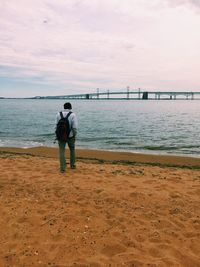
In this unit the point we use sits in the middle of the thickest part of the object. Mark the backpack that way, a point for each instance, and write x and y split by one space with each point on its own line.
63 128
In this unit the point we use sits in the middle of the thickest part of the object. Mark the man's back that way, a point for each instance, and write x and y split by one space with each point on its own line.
73 122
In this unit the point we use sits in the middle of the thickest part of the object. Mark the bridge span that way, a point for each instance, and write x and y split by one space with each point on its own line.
133 95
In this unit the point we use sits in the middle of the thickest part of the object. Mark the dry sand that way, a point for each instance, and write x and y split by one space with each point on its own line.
140 212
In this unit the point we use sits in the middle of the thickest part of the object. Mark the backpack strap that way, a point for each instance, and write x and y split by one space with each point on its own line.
61 115
68 114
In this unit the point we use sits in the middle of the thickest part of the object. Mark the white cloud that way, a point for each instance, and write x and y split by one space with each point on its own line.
192 3
101 43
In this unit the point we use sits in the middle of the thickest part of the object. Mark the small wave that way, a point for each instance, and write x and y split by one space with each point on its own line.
93 139
170 147
120 143
46 135
159 148
19 143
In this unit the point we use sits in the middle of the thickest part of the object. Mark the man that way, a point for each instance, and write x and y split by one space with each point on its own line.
73 124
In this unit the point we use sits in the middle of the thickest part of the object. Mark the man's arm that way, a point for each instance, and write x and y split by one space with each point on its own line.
74 124
57 119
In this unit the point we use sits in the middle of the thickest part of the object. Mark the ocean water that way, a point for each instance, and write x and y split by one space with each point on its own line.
161 127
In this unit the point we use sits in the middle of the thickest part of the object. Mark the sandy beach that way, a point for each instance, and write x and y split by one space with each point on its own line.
115 209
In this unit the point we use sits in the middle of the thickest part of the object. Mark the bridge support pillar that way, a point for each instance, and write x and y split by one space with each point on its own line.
145 96
127 92
108 94
139 93
97 93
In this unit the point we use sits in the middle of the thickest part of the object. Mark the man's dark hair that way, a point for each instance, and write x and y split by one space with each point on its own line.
67 105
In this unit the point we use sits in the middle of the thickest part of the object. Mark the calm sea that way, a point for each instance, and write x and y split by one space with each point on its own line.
162 127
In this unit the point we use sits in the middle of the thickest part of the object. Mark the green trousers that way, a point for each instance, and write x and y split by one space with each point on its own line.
71 145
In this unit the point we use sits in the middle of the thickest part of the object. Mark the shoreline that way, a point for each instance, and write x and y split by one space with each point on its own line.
110 156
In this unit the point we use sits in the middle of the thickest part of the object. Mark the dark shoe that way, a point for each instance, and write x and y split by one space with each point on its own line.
73 167
62 171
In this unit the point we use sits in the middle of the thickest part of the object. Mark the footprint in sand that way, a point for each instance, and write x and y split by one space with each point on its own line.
113 249
156 253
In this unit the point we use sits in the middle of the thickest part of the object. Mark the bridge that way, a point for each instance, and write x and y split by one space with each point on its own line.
132 95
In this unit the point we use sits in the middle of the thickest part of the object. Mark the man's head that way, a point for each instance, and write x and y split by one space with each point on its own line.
67 105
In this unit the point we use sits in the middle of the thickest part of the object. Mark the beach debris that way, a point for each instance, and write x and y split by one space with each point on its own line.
175 211
53 218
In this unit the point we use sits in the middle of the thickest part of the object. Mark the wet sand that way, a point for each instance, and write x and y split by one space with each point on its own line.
115 209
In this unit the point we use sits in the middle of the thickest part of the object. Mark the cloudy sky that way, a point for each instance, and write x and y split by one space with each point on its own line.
56 47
